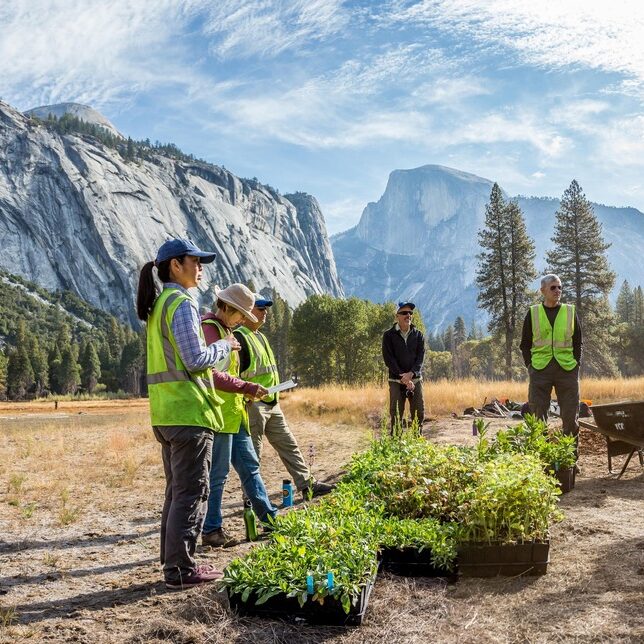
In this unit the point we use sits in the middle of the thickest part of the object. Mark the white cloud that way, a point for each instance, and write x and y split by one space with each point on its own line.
269 27
91 50
595 35
497 127
449 91
622 141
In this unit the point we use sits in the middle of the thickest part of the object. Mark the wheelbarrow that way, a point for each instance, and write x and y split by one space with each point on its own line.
622 424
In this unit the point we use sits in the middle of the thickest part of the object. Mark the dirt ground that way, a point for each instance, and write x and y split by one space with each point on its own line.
80 497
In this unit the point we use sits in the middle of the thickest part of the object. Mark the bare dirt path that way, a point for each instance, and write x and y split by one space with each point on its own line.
80 499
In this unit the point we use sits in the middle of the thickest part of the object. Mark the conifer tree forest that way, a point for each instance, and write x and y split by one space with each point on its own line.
57 344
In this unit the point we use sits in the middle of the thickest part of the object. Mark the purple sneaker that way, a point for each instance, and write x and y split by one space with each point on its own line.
202 575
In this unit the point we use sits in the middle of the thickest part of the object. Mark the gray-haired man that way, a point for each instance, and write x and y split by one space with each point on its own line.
551 345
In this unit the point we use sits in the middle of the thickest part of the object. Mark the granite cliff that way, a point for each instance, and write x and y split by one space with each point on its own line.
419 241
75 215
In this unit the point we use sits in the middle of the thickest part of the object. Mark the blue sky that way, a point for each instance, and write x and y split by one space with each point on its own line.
329 97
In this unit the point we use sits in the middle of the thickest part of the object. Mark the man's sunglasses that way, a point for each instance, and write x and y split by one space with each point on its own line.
555 287
409 313
261 308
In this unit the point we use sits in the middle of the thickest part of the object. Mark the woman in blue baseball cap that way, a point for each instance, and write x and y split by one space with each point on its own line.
184 407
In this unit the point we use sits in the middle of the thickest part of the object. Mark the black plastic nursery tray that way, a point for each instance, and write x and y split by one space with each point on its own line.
490 560
410 562
280 606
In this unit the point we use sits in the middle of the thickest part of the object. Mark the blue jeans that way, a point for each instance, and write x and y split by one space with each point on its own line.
236 449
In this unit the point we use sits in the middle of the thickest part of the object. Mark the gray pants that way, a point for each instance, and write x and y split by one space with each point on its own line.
566 384
269 422
187 454
397 397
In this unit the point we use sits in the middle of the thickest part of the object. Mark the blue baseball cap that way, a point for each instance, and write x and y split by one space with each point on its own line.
411 305
262 302
177 247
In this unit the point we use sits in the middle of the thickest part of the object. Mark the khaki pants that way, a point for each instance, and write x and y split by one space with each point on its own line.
269 422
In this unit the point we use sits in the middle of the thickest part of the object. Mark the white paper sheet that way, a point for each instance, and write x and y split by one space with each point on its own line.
283 386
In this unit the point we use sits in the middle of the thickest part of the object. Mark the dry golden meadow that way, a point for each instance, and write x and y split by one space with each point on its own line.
80 496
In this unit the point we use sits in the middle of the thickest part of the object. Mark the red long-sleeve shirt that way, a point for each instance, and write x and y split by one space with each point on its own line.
224 381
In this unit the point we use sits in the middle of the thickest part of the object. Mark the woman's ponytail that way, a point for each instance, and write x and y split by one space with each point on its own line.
147 292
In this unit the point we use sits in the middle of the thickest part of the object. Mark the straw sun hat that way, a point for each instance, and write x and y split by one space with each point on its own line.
239 297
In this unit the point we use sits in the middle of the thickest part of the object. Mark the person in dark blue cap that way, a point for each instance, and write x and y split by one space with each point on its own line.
184 407
257 364
403 350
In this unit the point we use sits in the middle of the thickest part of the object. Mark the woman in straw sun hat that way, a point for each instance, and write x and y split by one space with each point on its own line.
233 443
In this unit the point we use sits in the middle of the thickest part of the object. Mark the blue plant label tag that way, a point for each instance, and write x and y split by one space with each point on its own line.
330 582
310 588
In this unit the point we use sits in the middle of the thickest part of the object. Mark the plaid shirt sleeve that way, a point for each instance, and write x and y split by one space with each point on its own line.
186 326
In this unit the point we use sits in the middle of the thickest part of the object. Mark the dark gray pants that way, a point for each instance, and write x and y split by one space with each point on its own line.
187 455
397 397
566 384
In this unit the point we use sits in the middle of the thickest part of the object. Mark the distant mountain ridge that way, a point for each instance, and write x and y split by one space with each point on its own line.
74 215
419 242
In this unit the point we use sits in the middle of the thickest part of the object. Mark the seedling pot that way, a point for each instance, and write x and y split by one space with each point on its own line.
566 478
410 562
280 606
491 560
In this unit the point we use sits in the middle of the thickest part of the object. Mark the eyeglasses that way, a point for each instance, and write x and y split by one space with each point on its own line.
405 313
555 287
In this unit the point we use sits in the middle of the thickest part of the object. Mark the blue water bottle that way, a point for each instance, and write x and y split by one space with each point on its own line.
287 493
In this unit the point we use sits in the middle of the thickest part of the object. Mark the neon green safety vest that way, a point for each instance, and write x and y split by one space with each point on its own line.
548 342
177 396
233 407
263 367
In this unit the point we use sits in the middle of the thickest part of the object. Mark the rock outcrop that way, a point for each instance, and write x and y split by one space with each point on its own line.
419 242
75 215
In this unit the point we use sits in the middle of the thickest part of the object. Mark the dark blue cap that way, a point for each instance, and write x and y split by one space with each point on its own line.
177 247
411 305
262 302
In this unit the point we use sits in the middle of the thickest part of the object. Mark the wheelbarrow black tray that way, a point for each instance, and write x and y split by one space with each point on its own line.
623 421
622 424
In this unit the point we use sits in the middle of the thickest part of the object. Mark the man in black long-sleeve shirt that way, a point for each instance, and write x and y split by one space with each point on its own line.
403 350
551 344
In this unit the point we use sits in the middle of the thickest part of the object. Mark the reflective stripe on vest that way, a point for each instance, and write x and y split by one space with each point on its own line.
549 341
177 397
233 407
262 368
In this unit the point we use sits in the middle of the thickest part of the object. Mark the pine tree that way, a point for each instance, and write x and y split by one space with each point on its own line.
579 259
90 367
20 375
625 304
277 327
132 364
638 306
69 372
460 333
39 364
505 269
54 361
